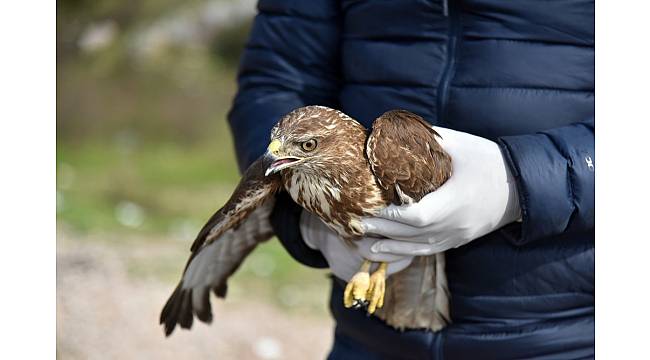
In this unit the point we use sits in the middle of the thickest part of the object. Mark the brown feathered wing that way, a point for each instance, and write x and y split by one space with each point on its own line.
409 163
221 246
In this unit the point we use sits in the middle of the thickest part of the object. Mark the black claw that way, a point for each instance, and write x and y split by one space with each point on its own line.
359 304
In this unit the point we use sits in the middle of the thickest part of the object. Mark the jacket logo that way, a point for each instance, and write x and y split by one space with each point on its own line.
590 163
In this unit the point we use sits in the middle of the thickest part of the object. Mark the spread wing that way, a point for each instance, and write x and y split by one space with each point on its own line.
405 156
221 246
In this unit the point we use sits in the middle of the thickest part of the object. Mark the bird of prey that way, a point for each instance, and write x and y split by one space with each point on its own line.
332 167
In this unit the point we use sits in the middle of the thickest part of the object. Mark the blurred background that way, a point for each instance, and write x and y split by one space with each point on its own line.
144 157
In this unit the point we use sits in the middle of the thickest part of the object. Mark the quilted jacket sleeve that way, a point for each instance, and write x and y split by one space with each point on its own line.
555 178
291 60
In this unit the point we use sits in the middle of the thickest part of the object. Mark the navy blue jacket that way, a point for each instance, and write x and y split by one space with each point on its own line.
520 73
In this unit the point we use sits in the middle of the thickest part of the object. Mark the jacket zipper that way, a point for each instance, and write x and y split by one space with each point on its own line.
443 87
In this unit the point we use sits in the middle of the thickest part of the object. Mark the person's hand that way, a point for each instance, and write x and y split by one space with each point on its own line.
481 196
345 261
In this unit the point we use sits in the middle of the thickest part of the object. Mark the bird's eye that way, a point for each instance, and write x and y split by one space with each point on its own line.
309 145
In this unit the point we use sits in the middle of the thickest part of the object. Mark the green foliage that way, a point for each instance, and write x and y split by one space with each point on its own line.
170 183
140 133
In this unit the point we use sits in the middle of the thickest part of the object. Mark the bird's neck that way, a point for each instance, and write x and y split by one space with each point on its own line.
314 192
339 197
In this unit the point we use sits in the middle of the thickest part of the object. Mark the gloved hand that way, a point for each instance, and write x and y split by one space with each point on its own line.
481 196
345 261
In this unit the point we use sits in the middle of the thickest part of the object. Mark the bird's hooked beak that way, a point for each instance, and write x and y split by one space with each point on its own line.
279 161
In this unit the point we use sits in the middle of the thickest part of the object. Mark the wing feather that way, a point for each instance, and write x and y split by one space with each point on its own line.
221 246
405 156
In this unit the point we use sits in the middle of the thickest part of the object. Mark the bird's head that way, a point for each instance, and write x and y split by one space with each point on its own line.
312 138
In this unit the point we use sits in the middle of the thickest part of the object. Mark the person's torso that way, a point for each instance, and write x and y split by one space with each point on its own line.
490 68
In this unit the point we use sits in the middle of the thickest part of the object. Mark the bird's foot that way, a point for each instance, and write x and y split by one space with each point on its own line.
356 290
377 288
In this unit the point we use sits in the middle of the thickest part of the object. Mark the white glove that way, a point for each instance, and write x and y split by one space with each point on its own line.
481 196
345 261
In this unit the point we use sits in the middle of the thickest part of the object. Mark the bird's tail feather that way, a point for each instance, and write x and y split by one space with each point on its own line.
427 308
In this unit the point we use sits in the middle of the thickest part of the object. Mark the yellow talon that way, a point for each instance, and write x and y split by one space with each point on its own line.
377 288
357 288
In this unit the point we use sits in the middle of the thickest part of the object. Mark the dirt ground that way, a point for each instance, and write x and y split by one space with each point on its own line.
103 313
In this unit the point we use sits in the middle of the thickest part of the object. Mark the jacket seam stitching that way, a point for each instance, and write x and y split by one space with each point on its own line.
531 42
299 16
523 88
387 84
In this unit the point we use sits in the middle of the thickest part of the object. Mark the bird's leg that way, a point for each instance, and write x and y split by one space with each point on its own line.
377 288
357 288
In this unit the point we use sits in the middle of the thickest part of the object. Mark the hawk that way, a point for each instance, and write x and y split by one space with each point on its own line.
332 167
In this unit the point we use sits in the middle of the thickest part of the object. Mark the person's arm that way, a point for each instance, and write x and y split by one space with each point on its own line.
546 179
291 60
554 173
